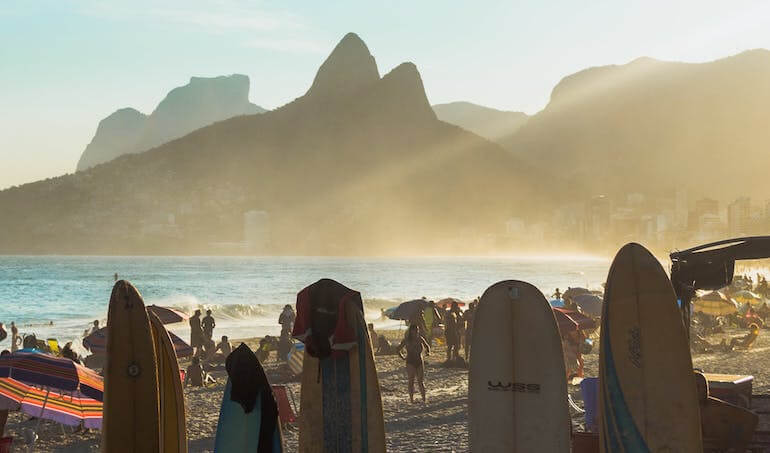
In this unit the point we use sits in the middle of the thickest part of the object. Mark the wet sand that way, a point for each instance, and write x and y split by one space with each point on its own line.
439 425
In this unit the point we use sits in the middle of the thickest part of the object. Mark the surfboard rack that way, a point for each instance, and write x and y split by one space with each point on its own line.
711 266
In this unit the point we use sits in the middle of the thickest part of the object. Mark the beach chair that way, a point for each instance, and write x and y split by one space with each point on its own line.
53 345
286 410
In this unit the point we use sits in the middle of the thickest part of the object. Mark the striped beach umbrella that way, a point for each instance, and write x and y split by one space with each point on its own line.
715 304
97 343
67 408
52 388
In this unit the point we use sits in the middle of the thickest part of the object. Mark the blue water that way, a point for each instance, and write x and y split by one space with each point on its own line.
246 293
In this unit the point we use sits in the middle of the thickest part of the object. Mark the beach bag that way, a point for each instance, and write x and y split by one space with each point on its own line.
321 322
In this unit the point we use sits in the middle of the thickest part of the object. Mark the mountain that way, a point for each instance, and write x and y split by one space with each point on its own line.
201 102
649 125
486 122
357 165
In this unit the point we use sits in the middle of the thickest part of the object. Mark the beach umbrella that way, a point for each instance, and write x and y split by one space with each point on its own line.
52 388
447 303
296 358
407 310
589 304
572 292
747 296
569 320
97 343
167 315
715 304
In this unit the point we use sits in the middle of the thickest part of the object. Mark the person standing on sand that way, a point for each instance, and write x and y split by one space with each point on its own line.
415 367
286 320
196 333
452 335
15 340
208 325
468 318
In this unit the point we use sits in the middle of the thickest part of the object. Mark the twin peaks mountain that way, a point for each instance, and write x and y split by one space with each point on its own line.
201 102
357 165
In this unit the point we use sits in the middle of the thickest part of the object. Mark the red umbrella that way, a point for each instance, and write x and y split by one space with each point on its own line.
569 320
167 315
446 303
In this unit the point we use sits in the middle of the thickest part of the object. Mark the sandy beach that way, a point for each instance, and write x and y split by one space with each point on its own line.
438 425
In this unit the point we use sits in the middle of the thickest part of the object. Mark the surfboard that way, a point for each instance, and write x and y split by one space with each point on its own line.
241 426
647 392
173 430
340 399
517 396
131 420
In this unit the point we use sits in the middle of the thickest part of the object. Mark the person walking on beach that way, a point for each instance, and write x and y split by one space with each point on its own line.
452 335
15 340
286 320
468 318
208 325
196 333
415 367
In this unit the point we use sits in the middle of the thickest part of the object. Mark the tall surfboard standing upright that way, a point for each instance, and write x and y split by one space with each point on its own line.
647 394
131 420
340 398
173 429
517 393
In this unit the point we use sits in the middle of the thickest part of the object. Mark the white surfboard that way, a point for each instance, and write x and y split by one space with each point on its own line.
517 380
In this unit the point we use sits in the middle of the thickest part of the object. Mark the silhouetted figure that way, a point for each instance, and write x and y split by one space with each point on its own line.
415 367
286 320
208 325
196 332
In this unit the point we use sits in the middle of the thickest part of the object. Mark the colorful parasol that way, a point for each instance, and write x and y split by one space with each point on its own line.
447 303
569 320
715 304
589 304
167 315
747 296
576 291
52 388
97 343
407 310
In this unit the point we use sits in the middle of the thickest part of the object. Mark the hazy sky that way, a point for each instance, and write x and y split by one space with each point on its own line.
64 65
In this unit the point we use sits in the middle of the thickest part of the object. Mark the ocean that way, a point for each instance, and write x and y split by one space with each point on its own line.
60 296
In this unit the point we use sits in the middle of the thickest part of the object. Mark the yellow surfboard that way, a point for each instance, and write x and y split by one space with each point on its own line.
131 407
647 393
173 430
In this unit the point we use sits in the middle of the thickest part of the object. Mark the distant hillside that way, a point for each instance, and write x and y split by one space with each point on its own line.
650 125
201 102
358 165
486 122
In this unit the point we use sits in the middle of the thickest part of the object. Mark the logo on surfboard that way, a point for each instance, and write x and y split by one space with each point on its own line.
519 387
635 346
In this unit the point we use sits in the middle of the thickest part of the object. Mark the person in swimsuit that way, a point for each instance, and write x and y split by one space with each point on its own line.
415 368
